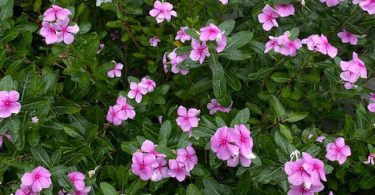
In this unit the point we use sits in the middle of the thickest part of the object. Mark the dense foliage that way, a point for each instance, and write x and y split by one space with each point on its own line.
60 95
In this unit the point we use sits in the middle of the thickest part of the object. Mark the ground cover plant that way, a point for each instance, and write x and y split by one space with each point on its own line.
187 97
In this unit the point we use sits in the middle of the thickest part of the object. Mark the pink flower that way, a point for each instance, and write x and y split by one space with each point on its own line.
154 41
233 161
48 31
199 52
162 11
25 191
244 141
149 148
348 37
223 143
85 191
355 66
78 180
302 190
320 44
297 174
221 41
351 77
126 110
101 47
35 120
209 33
113 115
2 138
315 168
283 45
338 151
160 169
372 97
285 10
56 13
177 170
214 106
268 18
331 3
115 71
188 156
66 33
175 60
370 159
187 119
142 165
37 179
371 107
349 85
320 138
136 91
224 2
271 44
9 103
148 84
182 35
366 5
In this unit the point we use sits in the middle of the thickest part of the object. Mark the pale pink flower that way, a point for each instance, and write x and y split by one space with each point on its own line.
35 120
370 159
355 66
371 107
188 157
224 2
221 41
126 110
37 179
175 60
78 180
149 148
351 77
302 190
148 84
320 138
285 10
48 31
223 143
366 5
209 33
56 13
348 37
244 141
268 18
177 170
162 11
2 138
66 33
187 119
330 193
182 35
271 44
320 44
136 91
338 151
331 3
85 191
142 165
214 106
101 47
25 191
199 51
154 41
283 45
160 169
115 71
164 61
235 160
297 174
349 85
113 115
315 168
9 103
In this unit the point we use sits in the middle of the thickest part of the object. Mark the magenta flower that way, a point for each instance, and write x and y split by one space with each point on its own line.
366 5
338 151
113 115
162 11
56 13
320 44
214 106
199 52
154 41
315 168
126 110
160 169
66 33
48 31
148 84
2 138
9 103
188 156
142 165
136 91
209 33
370 159
302 190
182 35
348 37
187 119
78 180
175 60
177 170
224 2
371 107
268 18
221 41
115 71
244 141
285 10
223 143
331 3
37 179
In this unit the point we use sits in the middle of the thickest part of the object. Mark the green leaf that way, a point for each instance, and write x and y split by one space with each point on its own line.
165 150
286 132
108 188
193 190
242 117
129 147
84 27
227 26
280 77
277 106
233 81
40 155
136 186
165 132
218 79
238 40
212 187
7 84
193 33
236 55
122 177
295 116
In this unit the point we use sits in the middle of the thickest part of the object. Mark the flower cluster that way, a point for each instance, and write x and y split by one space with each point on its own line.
371 106
2 138
137 90
120 112
9 103
338 151
116 70
283 45
148 164
162 11
269 15
305 174
348 37
366 5
35 181
187 119
352 70
234 145
55 26
214 106
319 43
